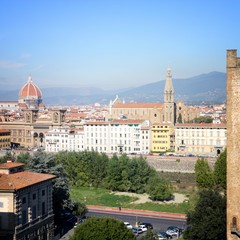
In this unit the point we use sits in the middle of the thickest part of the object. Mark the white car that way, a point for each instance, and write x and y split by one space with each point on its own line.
172 233
128 225
143 227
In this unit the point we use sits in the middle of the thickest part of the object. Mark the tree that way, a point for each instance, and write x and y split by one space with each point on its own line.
203 174
84 168
202 119
208 220
23 157
45 163
159 189
220 171
179 119
102 228
7 156
149 235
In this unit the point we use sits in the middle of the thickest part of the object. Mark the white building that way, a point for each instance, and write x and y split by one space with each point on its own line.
64 139
200 139
118 136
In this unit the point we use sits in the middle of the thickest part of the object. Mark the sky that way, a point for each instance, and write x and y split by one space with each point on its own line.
114 44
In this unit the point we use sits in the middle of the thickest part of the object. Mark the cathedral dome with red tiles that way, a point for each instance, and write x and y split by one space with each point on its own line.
30 94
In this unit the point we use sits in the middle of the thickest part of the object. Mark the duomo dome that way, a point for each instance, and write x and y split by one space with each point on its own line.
30 96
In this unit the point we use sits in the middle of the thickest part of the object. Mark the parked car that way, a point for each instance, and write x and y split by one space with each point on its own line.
128 225
137 230
148 225
164 236
83 219
174 231
143 227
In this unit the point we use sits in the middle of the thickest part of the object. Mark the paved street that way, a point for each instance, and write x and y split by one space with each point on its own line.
160 220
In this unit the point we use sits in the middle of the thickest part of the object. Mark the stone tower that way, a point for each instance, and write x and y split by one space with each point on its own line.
233 145
169 105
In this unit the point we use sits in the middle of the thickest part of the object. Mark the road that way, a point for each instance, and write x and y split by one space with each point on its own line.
159 223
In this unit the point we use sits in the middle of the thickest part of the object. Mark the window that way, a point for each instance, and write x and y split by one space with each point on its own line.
43 208
24 217
34 196
23 200
34 212
43 192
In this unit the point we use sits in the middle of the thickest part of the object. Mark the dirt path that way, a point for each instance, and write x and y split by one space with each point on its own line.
143 198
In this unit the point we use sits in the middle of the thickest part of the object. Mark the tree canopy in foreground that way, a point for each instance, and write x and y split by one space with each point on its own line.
102 228
208 220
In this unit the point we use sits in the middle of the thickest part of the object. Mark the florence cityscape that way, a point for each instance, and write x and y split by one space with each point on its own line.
119 120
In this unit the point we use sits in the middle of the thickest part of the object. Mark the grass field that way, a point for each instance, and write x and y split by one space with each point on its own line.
103 197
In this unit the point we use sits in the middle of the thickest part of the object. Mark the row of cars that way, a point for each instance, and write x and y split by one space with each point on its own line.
172 231
140 228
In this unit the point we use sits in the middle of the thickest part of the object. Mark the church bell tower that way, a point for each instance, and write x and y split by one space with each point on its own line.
169 105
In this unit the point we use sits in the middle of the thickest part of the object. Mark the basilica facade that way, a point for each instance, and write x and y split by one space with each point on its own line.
167 112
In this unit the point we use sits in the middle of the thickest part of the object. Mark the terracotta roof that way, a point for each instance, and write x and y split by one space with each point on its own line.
128 121
4 131
138 105
24 179
202 125
30 90
116 121
10 165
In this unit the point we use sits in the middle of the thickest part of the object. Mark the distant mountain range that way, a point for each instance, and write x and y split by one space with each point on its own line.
205 88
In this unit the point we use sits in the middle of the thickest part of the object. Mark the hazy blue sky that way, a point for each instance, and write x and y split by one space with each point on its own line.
114 44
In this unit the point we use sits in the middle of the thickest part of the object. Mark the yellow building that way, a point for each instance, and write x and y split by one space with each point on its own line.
162 137
5 138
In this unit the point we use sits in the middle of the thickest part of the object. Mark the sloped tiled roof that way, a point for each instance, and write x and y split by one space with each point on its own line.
9 165
21 180
138 105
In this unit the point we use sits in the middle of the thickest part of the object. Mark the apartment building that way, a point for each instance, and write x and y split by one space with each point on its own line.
64 139
162 137
118 136
200 139
25 204
5 138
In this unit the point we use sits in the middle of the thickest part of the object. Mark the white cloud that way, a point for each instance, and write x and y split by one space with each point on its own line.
10 65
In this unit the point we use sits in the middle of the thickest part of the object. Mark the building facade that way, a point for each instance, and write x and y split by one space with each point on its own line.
167 112
233 145
154 112
25 204
5 139
118 136
200 139
31 129
64 139
162 138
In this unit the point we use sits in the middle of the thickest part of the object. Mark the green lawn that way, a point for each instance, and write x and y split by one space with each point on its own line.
103 197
